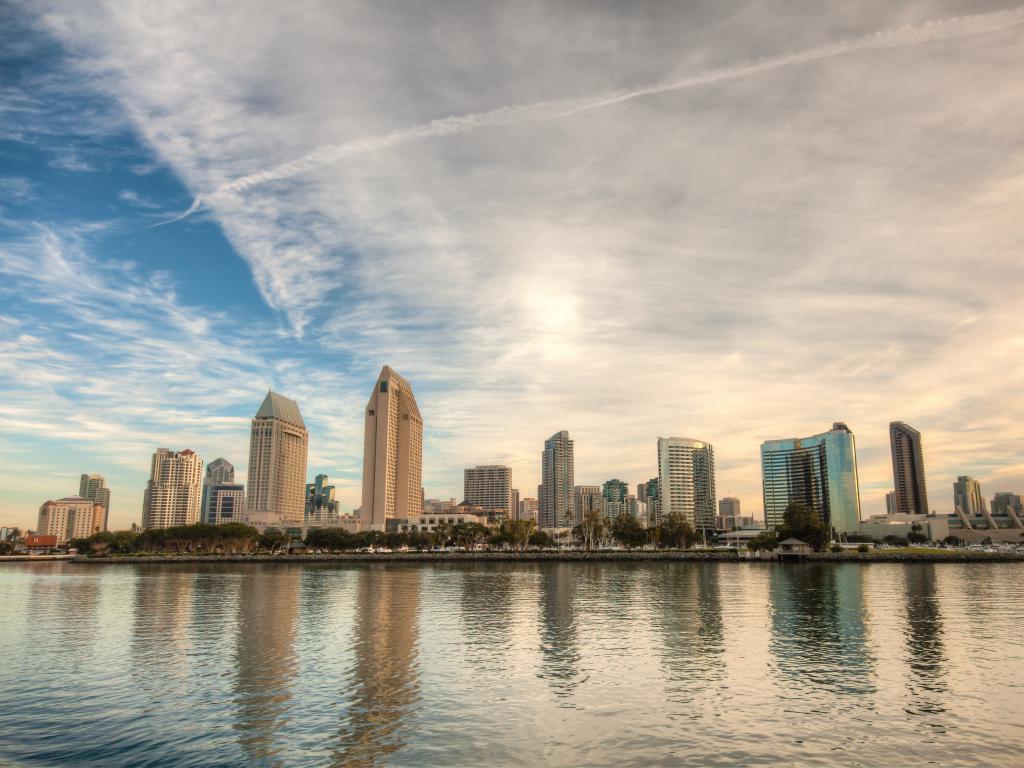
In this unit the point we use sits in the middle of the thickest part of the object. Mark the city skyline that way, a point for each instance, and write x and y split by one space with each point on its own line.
767 211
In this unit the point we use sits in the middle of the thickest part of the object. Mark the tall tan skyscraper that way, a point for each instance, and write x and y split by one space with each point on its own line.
392 453
278 445
174 489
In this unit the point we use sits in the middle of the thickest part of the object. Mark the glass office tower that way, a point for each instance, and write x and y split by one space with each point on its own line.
819 471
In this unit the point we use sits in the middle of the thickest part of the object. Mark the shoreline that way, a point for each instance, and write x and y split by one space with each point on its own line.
901 556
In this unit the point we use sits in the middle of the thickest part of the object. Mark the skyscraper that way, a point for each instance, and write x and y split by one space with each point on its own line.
556 502
584 499
617 499
218 472
174 490
890 503
729 507
653 494
967 496
1004 503
321 507
908 469
489 486
686 480
819 471
94 488
278 446
392 453
528 509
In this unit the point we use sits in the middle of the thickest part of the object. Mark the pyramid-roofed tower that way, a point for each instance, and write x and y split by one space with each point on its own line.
278 449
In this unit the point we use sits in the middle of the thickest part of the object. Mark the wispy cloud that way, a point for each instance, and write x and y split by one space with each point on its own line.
823 235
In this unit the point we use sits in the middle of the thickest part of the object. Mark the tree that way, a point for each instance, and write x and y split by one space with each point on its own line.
915 536
863 548
956 541
801 522
895 541
541 539
468 535
443 534
515 533
675 531
628 532
764 541
592 529
272 538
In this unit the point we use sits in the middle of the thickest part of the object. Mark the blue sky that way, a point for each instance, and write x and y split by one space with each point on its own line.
729 222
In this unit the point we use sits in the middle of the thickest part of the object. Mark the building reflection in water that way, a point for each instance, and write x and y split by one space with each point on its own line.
384 689
486 595
559 642
926 683
265 659
162 615
818 636
686 608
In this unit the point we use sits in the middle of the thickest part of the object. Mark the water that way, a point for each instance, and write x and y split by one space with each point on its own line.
512 664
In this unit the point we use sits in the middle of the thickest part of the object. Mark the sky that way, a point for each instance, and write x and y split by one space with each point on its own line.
727 221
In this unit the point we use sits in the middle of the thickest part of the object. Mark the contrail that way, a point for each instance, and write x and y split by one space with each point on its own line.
940 29
185 214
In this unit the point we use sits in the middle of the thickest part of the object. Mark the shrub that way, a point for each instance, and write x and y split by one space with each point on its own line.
863 549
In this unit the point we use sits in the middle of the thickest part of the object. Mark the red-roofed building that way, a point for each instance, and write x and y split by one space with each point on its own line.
36 543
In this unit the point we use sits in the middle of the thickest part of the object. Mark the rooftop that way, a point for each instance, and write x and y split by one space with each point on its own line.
279 407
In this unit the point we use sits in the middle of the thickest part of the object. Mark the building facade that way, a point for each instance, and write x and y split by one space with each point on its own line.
556 488
908 470
617 500
585 498
94 488
653 495
174 491
489 486
686 481
70 518
819 471
1006 504
220 471
392 453
226 504
278 448
321 507
528 509
890 503
967 496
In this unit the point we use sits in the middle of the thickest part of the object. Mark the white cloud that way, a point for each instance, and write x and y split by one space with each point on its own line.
749 260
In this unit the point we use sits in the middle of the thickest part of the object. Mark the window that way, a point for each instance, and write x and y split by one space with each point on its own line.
383 386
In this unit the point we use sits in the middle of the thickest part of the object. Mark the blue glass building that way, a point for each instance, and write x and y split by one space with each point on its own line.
819 471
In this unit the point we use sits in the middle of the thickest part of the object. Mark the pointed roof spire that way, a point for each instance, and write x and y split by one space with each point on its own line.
277 406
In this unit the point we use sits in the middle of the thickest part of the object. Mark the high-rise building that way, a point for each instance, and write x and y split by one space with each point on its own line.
1003 503
967 496
321 507
278 447
729 507
174 490
617 499
528 509
226 504
556 502
908 469
890 503
653 494
584 499
513 507
94 488
686 480
392 453
489 486
70 518
819 471
218 472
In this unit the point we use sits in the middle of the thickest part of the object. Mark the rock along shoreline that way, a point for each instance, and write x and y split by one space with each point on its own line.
569 556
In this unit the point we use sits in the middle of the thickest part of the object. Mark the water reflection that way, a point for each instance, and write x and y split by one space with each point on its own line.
161 615
686 608
486 597
384 689
265 660
559 644
818 636
926 682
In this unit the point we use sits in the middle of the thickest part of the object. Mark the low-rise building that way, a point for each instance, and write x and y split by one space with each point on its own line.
40 543
429 523
934 527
